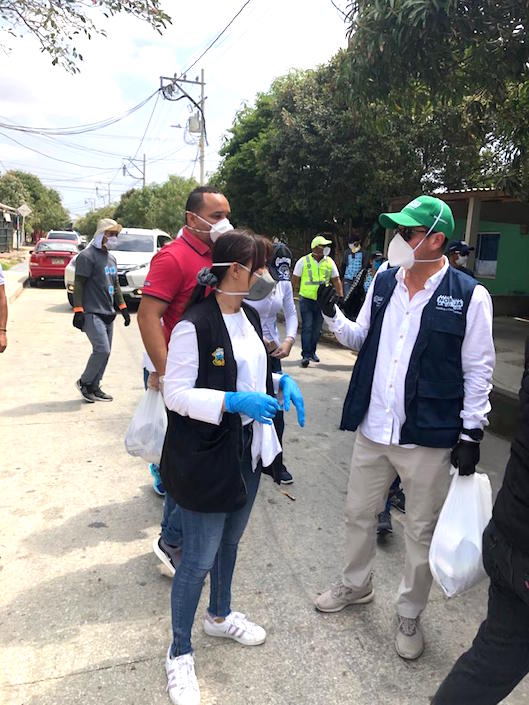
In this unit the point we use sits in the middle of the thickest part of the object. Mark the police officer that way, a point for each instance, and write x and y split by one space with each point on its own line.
418 397
309 272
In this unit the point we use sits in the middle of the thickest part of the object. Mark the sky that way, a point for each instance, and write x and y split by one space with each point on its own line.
267 40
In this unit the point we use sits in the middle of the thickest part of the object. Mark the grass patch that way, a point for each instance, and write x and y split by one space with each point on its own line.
8 263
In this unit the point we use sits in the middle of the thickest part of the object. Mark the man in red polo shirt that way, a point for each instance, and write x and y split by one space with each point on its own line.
166 291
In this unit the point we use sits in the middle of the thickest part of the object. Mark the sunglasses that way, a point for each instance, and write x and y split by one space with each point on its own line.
407 233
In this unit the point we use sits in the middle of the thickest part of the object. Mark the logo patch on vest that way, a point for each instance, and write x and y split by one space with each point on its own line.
218 357
377 300
445 302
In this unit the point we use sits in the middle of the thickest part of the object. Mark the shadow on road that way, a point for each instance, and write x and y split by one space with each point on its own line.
117 522
53 407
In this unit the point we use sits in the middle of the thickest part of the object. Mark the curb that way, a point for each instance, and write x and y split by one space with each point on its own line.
17 289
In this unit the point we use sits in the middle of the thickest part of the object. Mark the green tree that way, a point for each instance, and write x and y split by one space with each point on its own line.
156 205
57 23
87 224
309 156
472 54
12 191
48 211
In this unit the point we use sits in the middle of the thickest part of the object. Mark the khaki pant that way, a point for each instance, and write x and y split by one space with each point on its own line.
424 473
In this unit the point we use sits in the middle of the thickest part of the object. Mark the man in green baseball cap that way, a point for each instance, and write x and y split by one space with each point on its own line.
427 211
418 400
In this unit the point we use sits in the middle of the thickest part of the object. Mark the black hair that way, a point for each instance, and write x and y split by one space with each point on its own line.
234 246
196 197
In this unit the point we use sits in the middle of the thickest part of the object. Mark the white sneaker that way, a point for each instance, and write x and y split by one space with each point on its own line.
235 626
182 684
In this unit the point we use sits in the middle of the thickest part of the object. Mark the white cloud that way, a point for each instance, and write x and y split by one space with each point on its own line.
268 39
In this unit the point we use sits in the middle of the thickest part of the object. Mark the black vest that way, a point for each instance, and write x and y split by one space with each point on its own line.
201 462
434 390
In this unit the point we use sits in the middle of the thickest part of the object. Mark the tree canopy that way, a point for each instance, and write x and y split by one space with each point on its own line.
56 24
154 206
471 54
18 187
309 156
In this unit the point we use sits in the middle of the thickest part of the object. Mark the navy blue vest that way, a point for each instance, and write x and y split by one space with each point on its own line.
434 390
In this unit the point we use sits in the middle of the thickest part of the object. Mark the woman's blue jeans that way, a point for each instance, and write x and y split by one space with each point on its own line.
210 542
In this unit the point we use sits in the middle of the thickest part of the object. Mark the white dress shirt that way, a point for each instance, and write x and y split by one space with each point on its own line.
181 374
281 299
400 328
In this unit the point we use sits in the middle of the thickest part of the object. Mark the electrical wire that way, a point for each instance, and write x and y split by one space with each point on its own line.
219 35
42 154
344 14
77 129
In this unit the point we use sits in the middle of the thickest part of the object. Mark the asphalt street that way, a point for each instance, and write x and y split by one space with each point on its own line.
84 614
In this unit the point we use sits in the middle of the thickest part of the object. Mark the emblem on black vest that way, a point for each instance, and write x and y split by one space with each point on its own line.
218 357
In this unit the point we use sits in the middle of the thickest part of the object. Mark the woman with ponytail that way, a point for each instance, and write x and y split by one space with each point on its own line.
220 395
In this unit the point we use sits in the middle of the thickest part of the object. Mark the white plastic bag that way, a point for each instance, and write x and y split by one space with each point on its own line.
455 551
146 432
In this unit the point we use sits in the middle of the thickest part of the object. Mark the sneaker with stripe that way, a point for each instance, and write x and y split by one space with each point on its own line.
235 626
182 684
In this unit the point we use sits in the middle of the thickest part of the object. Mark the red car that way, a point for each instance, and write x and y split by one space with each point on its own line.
49 259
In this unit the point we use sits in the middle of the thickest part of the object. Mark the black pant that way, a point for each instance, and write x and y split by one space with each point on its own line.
279 420
499 656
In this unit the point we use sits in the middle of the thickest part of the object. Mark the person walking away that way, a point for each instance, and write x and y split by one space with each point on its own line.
419 399
281 298
352 264
309 272
356 295
3 312
457 253
168 286
499 656
97 295
219 390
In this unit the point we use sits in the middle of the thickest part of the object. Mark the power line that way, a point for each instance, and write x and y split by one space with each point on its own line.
42 154
212 44
344 14
147 127
78 129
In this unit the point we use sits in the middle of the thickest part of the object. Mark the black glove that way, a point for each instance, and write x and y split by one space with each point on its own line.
465 457
327 298
78 320
126 316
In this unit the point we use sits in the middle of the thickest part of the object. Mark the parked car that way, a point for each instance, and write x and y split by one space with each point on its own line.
49 259
135 249
71 235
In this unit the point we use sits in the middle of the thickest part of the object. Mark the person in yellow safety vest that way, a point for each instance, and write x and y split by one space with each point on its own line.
309 272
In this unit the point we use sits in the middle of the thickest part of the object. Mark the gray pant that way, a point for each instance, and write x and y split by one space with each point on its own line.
100 335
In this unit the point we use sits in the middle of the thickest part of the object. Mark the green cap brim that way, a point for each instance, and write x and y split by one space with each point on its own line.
391 220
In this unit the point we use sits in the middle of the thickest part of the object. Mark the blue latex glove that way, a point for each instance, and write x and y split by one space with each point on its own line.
292 393
256 405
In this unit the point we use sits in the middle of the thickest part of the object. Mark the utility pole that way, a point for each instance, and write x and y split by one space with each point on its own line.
172 90
144 170
202 128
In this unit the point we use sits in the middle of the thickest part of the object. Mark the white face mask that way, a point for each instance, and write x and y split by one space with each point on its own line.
215 229
326 251
354 247
112 242
259 289
462 260
402 254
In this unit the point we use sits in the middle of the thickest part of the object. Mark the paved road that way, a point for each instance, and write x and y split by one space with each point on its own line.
84 607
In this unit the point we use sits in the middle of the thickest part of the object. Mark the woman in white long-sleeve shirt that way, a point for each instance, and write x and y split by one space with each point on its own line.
280 299
220 394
